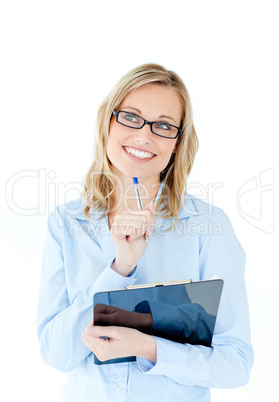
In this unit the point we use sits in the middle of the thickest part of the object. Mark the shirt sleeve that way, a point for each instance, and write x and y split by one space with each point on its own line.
227 363
61 324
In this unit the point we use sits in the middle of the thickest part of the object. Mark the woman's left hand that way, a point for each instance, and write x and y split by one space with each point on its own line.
121 342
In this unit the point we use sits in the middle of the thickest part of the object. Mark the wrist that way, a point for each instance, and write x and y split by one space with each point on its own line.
147 348
122 269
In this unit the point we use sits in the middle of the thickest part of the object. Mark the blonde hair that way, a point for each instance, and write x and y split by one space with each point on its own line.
99 184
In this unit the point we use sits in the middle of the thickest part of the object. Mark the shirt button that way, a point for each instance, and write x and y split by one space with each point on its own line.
119 377
118 391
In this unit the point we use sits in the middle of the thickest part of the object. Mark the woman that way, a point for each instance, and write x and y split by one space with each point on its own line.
104 242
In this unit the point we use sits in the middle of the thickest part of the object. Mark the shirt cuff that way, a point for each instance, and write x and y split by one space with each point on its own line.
144 365
133 272
130 274
110 280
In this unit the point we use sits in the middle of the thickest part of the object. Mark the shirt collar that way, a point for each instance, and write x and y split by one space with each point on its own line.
75 209
188 208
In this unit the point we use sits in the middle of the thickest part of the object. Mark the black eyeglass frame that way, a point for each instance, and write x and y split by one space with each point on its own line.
179 131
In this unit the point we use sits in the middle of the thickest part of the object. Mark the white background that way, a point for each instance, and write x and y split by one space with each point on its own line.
58 61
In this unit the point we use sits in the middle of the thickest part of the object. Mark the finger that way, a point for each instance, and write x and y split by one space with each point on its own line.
88 328
90 325
87 340
109 332
124 233
151 207
129 227
135 216
91 342
131 220
133 229
136 233
151 212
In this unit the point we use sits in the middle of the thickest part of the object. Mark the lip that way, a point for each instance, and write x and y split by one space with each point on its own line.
135 158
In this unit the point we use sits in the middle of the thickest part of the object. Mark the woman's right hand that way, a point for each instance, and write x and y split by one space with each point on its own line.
128 233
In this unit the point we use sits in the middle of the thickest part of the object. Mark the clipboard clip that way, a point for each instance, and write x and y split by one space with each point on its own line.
158 284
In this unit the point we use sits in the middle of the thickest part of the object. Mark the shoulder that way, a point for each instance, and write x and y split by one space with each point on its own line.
68 213
63 214
195 207
72 209
203 207
211 222
205 218
71 213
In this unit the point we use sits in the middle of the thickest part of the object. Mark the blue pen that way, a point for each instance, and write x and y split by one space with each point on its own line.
136 186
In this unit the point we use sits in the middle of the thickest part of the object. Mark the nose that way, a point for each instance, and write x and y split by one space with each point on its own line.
143 135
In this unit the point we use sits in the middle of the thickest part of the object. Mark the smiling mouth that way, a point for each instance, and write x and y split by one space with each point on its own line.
139 154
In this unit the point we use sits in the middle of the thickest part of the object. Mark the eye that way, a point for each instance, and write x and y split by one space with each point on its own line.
163 126
130 117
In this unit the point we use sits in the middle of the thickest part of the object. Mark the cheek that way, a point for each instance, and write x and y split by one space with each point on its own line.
115 134
109 148
166 159
111 140
169 150
114 141
169 154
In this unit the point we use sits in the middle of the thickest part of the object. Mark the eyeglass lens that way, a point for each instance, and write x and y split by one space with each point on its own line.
161 128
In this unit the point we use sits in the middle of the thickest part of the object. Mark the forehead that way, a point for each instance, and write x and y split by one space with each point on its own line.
153 100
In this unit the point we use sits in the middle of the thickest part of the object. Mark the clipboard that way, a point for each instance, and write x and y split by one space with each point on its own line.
180 311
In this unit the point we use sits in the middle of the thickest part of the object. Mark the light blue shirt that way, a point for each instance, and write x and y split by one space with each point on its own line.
77 263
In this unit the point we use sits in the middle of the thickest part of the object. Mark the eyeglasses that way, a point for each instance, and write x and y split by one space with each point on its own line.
160 128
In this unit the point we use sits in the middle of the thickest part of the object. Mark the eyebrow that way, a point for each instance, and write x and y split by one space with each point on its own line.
139 112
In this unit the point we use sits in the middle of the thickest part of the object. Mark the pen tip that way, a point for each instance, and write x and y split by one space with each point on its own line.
135 180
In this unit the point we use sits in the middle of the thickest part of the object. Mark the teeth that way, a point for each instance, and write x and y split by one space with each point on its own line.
139 154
